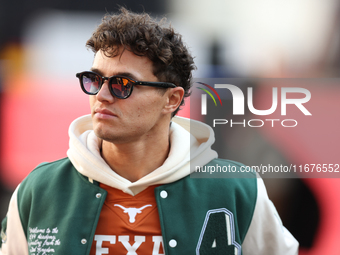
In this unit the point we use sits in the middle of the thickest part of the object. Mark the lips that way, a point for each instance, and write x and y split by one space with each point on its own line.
104 112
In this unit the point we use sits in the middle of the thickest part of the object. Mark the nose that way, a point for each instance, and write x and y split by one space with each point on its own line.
104 93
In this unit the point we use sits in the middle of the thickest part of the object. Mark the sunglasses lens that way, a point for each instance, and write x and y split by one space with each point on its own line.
121 87
91 83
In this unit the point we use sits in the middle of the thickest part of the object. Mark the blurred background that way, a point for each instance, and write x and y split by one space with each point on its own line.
42 47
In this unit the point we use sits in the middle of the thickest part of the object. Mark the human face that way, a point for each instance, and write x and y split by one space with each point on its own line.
141 115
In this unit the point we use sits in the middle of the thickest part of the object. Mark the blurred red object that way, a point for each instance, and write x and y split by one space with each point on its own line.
314 140
35 120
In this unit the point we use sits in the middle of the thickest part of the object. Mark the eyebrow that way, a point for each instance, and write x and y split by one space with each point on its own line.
126 74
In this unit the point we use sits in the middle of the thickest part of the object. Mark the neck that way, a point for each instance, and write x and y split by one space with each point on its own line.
135 160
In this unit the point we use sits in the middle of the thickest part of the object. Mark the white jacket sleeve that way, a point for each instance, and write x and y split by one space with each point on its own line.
266 234
14 241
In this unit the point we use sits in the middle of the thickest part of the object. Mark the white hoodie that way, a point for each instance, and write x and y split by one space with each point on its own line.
85 155
190 143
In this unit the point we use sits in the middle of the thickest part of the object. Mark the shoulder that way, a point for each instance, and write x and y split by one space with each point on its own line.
50 181
47 166
47 171
48 177
266 223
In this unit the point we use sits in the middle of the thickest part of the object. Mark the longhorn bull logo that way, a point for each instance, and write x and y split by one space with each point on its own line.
132 212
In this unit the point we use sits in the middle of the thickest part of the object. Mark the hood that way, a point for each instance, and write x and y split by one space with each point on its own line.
190 145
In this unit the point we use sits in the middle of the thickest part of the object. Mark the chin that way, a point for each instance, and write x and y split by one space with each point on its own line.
108 136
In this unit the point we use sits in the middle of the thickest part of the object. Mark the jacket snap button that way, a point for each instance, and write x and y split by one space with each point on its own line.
98 195
164 194
172 243
83 241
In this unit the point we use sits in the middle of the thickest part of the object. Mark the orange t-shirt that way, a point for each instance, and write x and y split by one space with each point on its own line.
128 224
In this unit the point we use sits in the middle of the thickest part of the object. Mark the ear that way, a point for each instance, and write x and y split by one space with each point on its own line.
174 99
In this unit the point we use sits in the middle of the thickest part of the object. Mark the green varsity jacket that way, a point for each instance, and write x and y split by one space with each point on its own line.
59 209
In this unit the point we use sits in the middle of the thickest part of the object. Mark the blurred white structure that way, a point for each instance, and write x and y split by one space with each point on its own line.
55 43
259 36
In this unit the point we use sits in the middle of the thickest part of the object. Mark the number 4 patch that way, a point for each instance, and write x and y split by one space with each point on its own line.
218 234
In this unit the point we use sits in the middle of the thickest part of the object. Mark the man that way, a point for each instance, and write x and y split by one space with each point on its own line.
125 186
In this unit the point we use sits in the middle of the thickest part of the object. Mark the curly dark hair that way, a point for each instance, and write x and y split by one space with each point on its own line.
144 36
